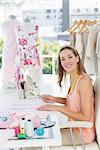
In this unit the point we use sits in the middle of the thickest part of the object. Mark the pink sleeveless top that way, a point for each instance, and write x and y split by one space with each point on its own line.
75 105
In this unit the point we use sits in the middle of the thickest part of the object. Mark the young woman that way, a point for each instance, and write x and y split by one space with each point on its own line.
79 102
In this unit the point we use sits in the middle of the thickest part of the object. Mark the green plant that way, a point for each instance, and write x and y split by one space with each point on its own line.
51 49
47 65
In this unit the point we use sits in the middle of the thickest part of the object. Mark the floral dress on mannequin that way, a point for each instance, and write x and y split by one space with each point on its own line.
27 60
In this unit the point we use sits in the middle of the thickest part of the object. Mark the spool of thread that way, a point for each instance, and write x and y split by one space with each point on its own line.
29 128
17 131
22 122
21 136
22 130
40 131
22 125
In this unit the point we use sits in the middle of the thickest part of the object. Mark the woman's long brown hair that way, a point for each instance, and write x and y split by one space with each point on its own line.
61 71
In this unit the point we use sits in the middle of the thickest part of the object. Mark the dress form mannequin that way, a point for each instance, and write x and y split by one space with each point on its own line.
9 51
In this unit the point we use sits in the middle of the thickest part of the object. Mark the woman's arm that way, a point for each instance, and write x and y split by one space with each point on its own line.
85 90
50 98
60 100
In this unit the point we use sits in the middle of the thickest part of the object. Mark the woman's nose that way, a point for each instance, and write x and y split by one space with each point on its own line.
67 61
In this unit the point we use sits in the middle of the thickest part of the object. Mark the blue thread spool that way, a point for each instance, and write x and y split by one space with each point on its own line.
4 118
40 131
29 128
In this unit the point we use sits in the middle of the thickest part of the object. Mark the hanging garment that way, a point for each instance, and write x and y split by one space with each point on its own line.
72 39
90 55
98 66
98 52
98 45
84 41
9 52
79 44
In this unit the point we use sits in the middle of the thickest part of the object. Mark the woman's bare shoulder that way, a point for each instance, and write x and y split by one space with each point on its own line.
85 80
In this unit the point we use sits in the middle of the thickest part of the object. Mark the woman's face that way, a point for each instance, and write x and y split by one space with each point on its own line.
68 60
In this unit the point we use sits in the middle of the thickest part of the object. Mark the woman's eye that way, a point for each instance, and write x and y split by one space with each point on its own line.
62 59
70 57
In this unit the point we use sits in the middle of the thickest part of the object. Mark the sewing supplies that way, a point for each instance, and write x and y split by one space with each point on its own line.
29 128
47 124
39 131
73 84
22 130
22 122
22 125
44 124
22 136
17 131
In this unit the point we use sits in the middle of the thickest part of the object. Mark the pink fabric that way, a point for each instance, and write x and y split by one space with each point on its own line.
13 119
6 123
75 104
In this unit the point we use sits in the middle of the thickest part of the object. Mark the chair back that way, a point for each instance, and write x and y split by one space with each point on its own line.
97 109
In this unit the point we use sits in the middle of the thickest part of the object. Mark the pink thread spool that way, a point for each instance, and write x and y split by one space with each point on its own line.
17 131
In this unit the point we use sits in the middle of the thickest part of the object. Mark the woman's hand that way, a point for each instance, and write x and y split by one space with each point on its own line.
48 98
47 107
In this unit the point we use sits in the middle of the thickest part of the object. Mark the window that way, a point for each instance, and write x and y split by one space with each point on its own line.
54 10
33 17
95 9
48 17
78 10
48 11
60 10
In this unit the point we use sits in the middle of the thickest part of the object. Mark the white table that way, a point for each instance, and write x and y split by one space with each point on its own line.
9 99
44 143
